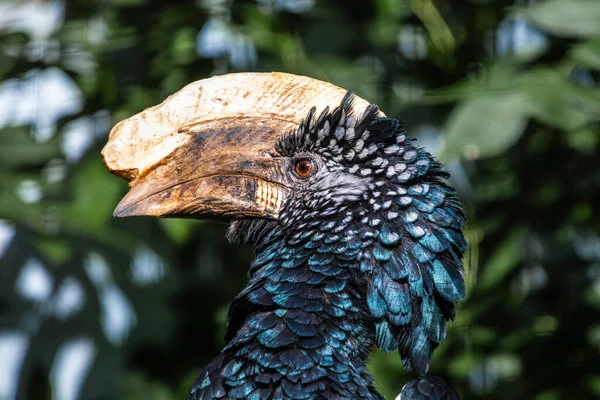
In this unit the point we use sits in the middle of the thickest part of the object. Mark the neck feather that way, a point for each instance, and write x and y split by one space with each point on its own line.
302 319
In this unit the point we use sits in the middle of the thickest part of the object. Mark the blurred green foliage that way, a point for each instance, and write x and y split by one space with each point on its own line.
505 92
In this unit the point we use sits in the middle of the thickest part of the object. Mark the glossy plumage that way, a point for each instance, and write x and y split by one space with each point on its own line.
365 254
428 388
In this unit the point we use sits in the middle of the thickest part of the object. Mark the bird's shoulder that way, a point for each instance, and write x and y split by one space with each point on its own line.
209 385
428 387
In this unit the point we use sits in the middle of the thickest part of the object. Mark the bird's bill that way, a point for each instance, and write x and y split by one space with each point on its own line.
224 171
208 151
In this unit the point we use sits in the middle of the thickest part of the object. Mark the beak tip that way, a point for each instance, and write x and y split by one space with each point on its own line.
131 206
143 208
121 212
127 209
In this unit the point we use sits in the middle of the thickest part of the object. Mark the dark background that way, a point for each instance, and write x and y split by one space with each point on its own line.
504 92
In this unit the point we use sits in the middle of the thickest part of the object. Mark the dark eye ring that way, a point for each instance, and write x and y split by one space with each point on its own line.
303 168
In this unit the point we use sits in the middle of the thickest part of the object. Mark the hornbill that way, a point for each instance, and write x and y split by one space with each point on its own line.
358 237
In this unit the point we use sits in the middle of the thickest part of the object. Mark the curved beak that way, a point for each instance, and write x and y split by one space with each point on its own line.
208 151
224 170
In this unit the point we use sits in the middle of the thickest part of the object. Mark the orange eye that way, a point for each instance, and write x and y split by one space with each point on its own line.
303 168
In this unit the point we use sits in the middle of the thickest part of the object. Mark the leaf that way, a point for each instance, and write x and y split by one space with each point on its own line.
494 78
587 54
17 148
505 258
55 250
580 18
485 126
179 230
462 364
556 101
94 195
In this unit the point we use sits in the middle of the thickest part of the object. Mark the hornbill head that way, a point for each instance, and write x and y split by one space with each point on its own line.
212 150
271 151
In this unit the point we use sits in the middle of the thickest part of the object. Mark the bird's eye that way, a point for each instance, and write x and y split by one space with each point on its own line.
303 168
